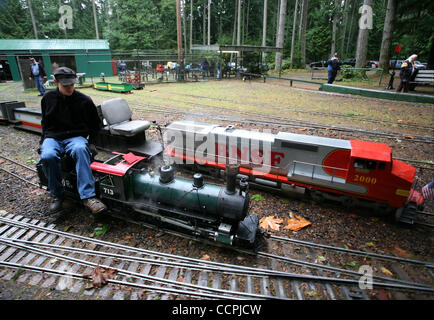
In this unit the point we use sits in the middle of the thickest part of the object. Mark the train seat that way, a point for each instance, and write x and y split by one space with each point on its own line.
117 113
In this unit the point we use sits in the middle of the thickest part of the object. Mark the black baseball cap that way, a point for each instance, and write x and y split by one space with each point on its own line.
65 76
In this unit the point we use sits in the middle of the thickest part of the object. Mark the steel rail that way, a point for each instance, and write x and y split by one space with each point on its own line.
351 131
294 276
134 274
133 249
170 256
335 269
291 260
288 108
259 273
114 281
18 177
20 164
426 139
352 251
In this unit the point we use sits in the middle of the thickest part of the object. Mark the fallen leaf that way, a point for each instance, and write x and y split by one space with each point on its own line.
401 252
100 275
296 223
67 228
386 271
270 222
127 237
320 259
409 137
257 197
205 257
100 231
369 244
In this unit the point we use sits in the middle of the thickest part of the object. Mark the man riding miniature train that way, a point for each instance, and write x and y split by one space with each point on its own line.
68 118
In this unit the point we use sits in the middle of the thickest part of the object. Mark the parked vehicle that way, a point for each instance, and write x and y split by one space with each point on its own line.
349 61
396 64
317 64
419 65
372 64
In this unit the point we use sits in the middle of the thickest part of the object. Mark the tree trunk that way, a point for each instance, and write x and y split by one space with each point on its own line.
387 35
362 39
204 23
430 65
281 34
184 27
276 21
351 26
344 32
35 30
246 34
294 27
95 20
334 30
239 24
264 25
303 32
209 22
191 24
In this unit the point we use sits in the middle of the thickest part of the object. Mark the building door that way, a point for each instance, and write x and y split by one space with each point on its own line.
5 70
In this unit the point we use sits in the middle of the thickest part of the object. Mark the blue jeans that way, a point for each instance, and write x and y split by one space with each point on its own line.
331 76
51 152
39 82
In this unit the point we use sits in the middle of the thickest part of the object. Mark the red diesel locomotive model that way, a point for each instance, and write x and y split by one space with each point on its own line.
352 172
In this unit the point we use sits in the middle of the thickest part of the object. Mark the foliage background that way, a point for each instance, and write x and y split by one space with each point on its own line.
151 24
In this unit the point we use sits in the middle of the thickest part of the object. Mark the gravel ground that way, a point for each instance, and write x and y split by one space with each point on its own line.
330 224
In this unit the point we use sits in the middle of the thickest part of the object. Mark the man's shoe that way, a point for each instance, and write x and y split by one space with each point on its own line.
95 205
56 204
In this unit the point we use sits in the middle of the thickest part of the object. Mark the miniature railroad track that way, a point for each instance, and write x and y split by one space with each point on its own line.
50 258
329 114
264 119
19 171
327 265
280 121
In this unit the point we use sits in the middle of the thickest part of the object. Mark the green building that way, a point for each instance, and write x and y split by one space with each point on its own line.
91 57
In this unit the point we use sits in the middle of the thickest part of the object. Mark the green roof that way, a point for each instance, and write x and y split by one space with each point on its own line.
52 44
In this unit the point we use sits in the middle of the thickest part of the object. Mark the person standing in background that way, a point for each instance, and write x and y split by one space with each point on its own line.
37 73
333 66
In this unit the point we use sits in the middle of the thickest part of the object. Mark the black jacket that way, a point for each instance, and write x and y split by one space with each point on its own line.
334 63
65 117
41 71
406 69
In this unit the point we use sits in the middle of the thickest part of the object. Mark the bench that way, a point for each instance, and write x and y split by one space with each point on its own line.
423 78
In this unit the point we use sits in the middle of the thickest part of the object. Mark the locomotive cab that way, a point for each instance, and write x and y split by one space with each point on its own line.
379 176
122 134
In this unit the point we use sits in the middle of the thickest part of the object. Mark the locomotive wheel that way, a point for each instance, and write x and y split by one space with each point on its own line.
316 196
348 202
398 214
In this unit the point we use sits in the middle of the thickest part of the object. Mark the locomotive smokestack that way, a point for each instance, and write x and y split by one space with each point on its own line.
231 178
